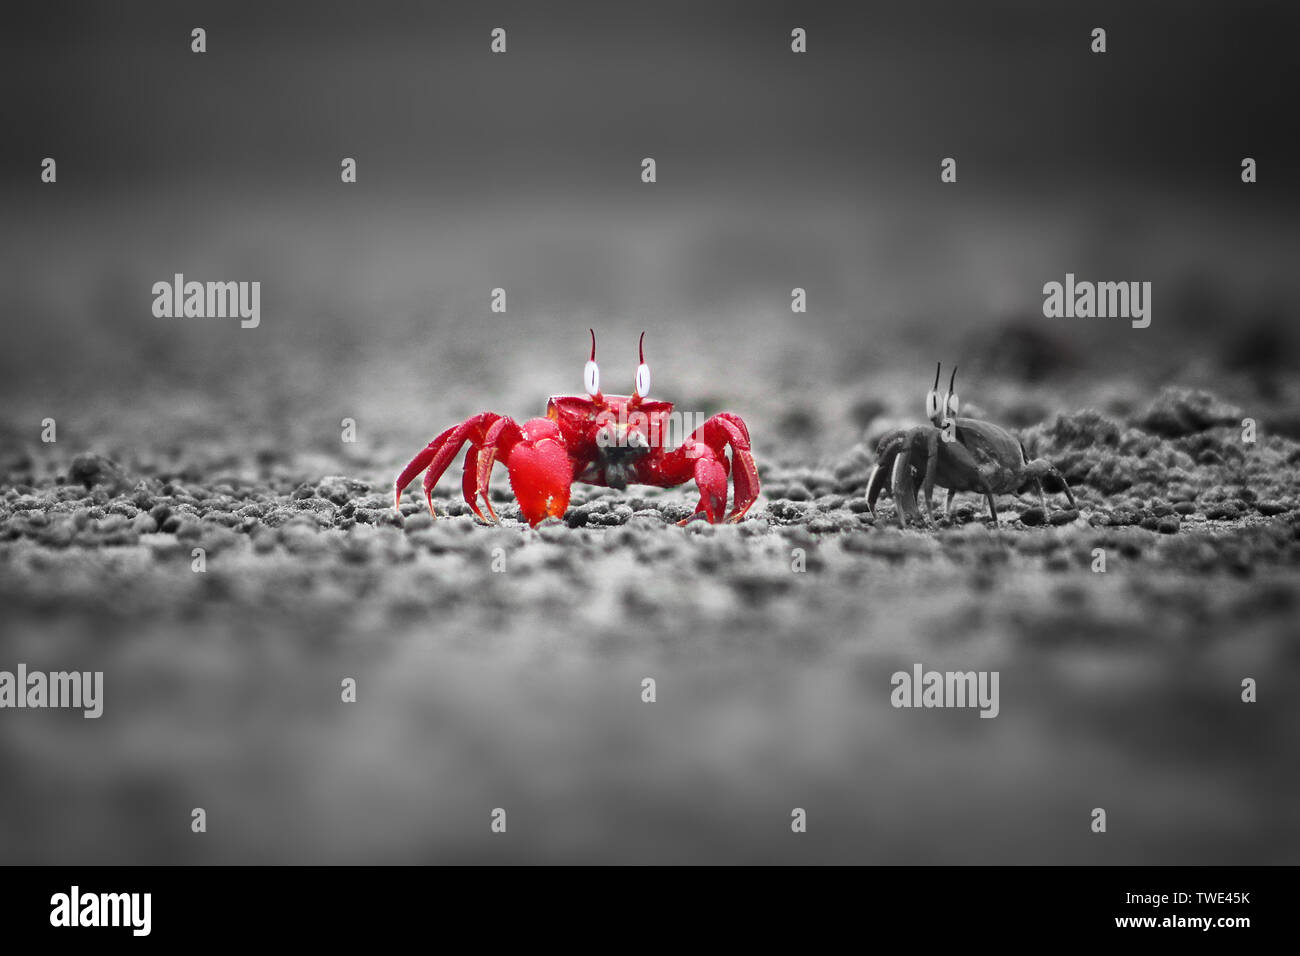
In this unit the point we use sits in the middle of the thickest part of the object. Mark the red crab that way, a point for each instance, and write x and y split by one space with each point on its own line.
607 440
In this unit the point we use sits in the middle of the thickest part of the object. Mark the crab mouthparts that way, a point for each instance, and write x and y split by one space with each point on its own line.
619 450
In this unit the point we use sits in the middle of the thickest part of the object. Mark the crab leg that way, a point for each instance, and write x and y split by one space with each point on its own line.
931 472
719 432
439 453
993 508
500 439
1041 468
484 461
961 458
711 477
469 482
703 456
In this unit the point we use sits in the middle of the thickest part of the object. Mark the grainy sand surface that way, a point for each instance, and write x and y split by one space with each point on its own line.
522 689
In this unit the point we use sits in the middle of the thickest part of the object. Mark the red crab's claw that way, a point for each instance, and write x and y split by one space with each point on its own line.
541 472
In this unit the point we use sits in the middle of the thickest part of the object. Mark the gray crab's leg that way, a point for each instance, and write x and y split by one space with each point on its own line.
993 508
900 486
931 471
1041 468
960 459
947 505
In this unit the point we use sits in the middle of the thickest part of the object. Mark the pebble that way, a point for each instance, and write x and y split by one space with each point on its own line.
1223 512
1033 516
798 492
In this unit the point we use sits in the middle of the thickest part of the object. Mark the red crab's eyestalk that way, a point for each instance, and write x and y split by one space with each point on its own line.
950 400
642 375
591 373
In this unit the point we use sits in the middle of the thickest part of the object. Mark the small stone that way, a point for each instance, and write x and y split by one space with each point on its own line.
419 520
1183 411
338 489
89 469
301 537
647 518
552 529
189 530
1033 516
798 492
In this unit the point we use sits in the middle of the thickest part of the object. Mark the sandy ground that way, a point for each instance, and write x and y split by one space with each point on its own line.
521 688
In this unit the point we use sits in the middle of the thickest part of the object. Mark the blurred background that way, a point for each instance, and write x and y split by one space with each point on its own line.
522 171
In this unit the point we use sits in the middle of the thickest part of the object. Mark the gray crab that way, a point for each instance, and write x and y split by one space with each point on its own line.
960 454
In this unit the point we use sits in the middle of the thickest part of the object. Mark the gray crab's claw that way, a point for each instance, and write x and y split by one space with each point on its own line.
887 450
874 485
903 488
894 467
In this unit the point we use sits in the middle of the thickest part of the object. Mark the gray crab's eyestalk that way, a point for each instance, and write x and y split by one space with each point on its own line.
932 409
